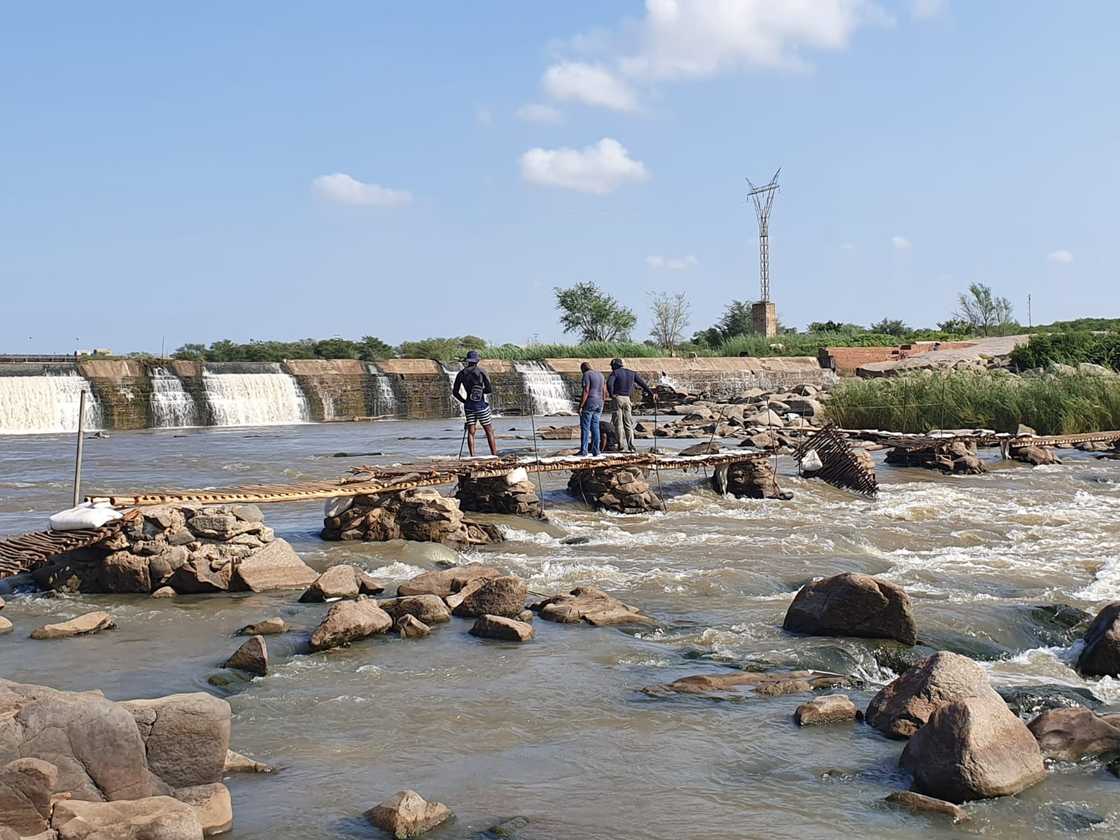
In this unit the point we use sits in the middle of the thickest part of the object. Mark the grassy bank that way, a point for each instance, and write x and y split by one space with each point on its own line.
1053 404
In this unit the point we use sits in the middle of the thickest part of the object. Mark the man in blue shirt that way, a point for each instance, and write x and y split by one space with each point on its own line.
594 395
620 385
473 381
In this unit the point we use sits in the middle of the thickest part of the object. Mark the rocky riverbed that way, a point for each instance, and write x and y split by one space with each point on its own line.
1002 568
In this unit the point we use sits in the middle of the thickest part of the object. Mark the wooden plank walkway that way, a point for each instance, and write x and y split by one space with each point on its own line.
26 552
935 440
379 479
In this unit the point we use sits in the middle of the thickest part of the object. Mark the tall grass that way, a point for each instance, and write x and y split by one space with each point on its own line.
1051 404
588 350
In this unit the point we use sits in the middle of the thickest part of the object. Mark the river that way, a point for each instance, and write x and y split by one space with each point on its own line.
557 730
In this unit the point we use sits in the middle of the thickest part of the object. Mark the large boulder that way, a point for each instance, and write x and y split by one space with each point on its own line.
446 581
93 742
902 706
590 605
186 736
504 596
151 818
83 625
1073 734
251 657
276 566
407 814
341 581
429 609
25 794
348 621
1101 655
852 604
973 749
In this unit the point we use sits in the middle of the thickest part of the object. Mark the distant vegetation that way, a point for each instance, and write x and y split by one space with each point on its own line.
1069 347
1050 404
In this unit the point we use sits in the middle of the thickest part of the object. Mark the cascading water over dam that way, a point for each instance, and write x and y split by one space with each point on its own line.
45 404
545 389
255 399
172 406
384 399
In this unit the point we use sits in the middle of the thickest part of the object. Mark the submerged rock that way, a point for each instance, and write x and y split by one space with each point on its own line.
251 657
1028 701
265 627
502 628
919 803
1101 654
852 604
1036 456
831 708
902 706
238 763
590 605
764 684
410 627
973 749
83 625
1073 734
348 621
408 814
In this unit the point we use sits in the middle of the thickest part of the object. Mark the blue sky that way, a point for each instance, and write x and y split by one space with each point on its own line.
280 170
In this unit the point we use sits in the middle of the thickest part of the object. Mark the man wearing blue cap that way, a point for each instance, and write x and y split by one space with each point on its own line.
473 381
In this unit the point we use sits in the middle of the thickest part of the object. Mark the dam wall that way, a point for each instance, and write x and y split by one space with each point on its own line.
43 397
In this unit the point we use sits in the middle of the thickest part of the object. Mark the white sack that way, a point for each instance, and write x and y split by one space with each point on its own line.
85 515
811 462
516 476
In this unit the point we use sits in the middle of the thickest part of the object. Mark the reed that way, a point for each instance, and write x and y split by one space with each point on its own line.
1051 404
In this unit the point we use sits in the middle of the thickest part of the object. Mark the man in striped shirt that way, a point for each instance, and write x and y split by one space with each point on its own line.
473 382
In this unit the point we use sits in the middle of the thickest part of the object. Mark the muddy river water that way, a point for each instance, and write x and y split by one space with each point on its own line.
557 730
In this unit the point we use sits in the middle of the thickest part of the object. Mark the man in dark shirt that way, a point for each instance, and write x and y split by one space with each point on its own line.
620 385
473 382
594 395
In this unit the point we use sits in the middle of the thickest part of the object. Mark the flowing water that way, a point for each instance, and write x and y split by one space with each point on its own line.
385 400
451 373
45 404
255 399
172 406
545 389
557 729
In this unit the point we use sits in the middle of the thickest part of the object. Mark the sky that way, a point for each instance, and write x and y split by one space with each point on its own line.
178 173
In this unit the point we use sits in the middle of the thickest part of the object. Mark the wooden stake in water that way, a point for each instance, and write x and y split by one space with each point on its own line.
78 455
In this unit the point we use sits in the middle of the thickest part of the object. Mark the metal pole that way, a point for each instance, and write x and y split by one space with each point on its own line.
78 455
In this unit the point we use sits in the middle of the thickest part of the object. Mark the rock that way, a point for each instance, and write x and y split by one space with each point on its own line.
453 601
5 626
526 616
83 625
706 448
420 515
1073 734
586 604
202 573
1101 655
25 794
151 818
164 592
216 525
1028 701
1036 456
276 566
251 657
186 736
430 609
92 742
906 703
238 763
1 603
506 828
408 814
446 581
500 627
770 684
212 806
831 708
618 489
348 621
497 495
410 627
247 513
342 581
805 406
918 803
973 748
125 572
766 418
502 596
1025 430
754 479
266 627
852 604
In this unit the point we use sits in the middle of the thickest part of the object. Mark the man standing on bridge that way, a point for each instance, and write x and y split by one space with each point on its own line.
620 385
473 381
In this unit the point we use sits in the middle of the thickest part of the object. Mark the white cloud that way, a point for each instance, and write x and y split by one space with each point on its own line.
591 84
599 168
1061 256
926 9
900 243
343 189
536 113
672 263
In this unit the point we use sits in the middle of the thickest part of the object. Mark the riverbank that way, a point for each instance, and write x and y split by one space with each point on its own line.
553 729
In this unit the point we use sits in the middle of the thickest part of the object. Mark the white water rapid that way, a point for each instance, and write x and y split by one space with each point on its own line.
545 388
172 406
255 399
44 404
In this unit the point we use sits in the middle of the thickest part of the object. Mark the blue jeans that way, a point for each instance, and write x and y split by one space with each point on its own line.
589 428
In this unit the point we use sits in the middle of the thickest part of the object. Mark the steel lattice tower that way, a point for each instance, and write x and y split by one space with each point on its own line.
763 198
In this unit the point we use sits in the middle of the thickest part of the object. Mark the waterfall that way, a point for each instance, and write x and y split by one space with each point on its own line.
45 404
545 388
456 406
255 399
385 401
172 406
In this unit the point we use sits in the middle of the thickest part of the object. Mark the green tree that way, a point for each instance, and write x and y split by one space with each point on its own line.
834 327
593 314
736 321
984 313
891 326
370 349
